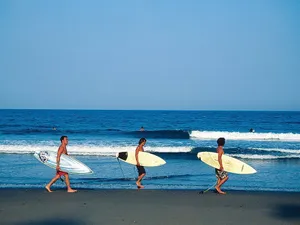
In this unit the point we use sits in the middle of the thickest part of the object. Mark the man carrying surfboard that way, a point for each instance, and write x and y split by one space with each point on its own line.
141 169
61 150
221 175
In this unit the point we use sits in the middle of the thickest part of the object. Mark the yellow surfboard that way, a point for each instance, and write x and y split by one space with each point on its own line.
145 158
230 164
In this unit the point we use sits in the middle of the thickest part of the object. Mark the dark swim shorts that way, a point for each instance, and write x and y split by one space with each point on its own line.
61 173
141 170
221 174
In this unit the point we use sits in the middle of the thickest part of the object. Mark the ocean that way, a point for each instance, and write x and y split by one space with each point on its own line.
176 136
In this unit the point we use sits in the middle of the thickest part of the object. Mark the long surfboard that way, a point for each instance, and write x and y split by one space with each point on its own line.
145 158
230 164
67 163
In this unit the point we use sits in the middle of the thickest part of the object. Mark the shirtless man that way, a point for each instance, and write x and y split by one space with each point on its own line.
141 169
61 150
221 175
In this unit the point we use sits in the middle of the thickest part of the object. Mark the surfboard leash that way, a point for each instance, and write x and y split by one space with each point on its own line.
121 168
202 192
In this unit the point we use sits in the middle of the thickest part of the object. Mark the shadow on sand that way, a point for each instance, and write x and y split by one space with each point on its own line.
287 211
52 221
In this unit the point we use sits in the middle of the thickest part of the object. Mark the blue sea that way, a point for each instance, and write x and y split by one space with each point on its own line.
176 136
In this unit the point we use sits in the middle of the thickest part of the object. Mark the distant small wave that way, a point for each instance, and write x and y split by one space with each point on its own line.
9 125
294 151
162 134
214 135
111 129
26 131
292 122
265 157
39 130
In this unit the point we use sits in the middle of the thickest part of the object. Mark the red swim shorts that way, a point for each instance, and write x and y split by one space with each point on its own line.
61 173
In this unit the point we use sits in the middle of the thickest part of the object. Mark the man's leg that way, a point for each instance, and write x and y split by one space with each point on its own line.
67 180
48 186
218 186
138 182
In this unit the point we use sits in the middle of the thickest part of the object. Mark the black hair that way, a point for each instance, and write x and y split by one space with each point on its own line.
221 141
62 138
142 140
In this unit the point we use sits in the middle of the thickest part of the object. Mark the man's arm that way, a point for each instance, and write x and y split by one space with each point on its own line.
59 152
220 153
137 156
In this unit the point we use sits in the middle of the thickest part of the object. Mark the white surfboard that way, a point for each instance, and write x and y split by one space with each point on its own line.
67 163
230 164
145 158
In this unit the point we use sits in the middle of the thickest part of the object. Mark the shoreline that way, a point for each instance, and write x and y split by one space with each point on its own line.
145 207
53 188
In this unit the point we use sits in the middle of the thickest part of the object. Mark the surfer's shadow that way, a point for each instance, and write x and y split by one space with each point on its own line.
53 221
287 211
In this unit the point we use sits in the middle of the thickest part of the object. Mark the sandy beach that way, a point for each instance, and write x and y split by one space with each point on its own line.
145 207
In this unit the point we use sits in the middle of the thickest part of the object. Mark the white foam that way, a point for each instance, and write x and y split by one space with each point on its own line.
277 150
214 135
264 157
87 150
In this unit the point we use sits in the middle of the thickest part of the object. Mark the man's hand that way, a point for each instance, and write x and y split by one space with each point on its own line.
138 164
221 168
57 168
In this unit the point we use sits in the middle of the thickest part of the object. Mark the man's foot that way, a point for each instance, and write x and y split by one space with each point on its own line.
219 191
48 188
71 190
138 184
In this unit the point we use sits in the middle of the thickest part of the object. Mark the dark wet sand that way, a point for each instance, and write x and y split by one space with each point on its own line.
144 207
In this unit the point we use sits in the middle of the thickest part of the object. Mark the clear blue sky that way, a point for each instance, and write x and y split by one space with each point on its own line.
211 55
